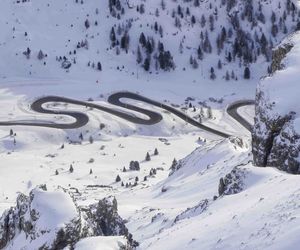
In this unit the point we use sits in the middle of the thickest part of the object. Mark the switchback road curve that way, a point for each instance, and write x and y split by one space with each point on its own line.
232 110
82 119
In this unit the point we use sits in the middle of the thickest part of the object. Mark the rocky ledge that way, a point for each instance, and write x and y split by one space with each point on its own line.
47 220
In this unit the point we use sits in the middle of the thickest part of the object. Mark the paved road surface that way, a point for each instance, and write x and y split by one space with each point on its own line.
232 110
82 119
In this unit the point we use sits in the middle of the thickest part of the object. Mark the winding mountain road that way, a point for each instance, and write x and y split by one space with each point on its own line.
232 110
82 119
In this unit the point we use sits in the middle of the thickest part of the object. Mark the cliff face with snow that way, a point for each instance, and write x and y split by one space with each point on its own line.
276 135
52 220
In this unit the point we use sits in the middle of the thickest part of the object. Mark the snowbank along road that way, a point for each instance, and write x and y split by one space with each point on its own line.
82 119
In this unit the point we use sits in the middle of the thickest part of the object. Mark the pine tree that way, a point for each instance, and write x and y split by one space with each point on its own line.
174 163
125 41
203 21
142 9
112 35
87 24
118 178
209 113
211 23
212 73
200 53
155 27
177 23
40 55
229 57
193 20
148 158
180 48
195 63
247 73
160 31
99 66
149 47
163 4
147 64
91 139
71 169
227 77
157 12
139 57
155 151
142 40
219 64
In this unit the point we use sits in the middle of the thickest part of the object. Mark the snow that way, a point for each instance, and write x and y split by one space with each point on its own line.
101 243
282 89
258 217
55 208
264 215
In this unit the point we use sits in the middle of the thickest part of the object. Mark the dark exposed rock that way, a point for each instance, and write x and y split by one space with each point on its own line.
193 211
66 64
265 132
232 183
278 55
285 151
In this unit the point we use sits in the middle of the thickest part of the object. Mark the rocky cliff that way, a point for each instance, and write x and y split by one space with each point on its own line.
276 134
52 220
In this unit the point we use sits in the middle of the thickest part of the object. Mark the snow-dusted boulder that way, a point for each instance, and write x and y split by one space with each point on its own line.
52 220
276 135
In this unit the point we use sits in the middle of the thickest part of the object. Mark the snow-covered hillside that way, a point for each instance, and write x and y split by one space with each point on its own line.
227 40
114 184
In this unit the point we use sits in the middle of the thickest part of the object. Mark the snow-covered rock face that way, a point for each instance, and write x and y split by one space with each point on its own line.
51 220
276 135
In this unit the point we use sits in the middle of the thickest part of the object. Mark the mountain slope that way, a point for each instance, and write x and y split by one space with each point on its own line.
215 39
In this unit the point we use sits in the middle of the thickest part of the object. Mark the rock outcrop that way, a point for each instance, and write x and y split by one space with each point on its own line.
278 55
52 220
232 183
276 136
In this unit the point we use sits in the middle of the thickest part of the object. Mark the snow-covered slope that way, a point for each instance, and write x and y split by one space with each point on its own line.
177 187
227 36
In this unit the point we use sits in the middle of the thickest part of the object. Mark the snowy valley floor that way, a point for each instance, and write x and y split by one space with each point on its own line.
178 211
